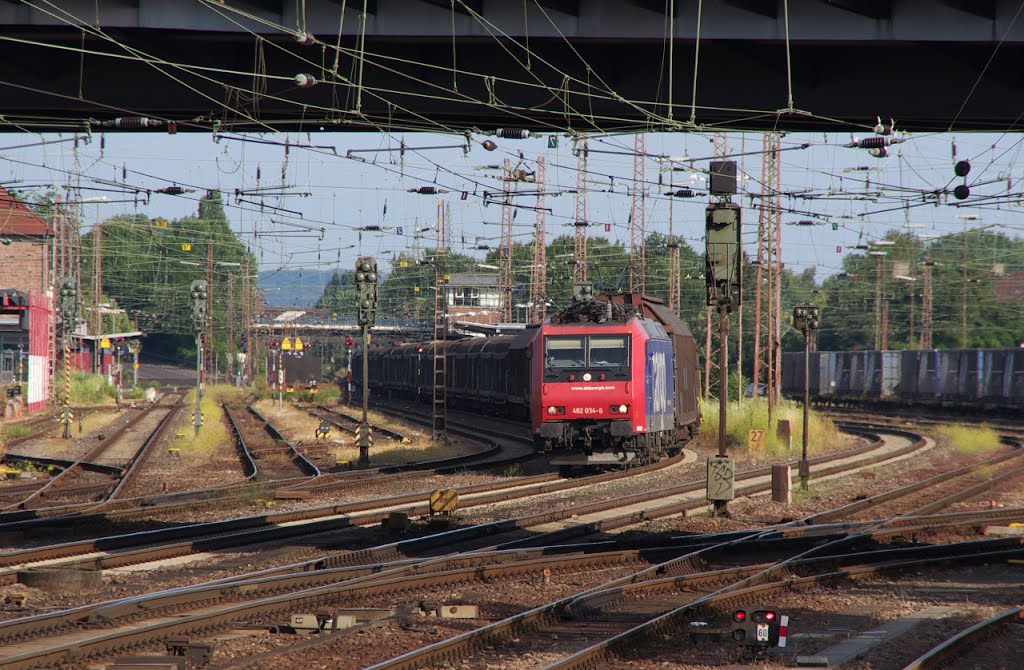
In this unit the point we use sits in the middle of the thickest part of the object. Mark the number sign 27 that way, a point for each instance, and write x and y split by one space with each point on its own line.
755 439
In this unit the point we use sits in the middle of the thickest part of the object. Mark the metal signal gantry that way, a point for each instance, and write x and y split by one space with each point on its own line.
366 301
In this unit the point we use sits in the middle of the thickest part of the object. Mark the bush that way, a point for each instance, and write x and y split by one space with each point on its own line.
752 413
970 439
90 389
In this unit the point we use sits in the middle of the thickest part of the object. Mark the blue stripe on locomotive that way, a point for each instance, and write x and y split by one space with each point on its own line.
659 385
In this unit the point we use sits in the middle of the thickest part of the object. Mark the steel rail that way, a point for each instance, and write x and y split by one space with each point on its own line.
300 462
886 496
259 528
450 649
33 500
962 641
348 423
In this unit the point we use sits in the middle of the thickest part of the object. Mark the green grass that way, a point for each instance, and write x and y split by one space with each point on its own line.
752 413
970 439
214 432
14 431
90 389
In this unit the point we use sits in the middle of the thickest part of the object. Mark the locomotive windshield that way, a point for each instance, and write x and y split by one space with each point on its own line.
574 352
607 351
564 352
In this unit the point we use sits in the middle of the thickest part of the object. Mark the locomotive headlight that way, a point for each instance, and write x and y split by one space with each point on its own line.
552 410
623 409
587 377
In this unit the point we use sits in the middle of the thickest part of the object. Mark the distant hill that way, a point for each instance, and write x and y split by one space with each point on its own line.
293 288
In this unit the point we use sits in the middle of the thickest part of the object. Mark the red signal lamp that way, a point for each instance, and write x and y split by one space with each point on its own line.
739 616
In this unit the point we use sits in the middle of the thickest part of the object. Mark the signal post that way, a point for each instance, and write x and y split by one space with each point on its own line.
68 314
805 319
366 301
199 294
723 278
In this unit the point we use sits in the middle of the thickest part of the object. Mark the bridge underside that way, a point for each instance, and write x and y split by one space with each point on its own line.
604 79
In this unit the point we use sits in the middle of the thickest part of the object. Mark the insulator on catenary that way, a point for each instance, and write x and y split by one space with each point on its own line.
303 80
513 133
305 39
133 122
872 142
878 152
681 193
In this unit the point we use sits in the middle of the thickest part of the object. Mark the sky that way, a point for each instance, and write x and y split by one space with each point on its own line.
301 206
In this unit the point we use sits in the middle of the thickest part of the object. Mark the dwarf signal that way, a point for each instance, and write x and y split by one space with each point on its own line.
758 628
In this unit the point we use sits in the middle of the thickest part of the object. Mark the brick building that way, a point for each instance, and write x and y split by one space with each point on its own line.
26 319
25 241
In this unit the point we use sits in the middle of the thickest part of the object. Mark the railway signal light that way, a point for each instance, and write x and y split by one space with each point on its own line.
757 627
805 317
68 301
349 341
723 273
366 290
199 294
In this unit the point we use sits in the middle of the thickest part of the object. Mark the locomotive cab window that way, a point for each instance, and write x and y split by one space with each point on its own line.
566 355
564 352
608 351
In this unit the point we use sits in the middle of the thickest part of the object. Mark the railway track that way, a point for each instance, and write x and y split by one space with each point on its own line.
545 527
964 641
271 456
101 474
420 555
59 638
118 512
402 550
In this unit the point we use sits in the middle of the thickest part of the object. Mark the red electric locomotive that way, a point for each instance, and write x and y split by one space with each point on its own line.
614 381
608 380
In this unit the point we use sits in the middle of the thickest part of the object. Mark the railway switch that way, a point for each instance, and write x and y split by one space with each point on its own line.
197 654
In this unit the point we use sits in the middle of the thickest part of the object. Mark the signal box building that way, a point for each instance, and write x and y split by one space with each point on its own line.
474 297
26 319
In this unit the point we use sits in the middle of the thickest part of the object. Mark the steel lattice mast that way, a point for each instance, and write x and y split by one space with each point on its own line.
505 250
766 301
539 271
926 303
440 362
637 256
674 289
579 268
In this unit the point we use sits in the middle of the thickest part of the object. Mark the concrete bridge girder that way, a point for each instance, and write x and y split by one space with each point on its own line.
914 60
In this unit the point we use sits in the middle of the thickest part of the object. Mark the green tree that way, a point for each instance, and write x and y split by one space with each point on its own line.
147 267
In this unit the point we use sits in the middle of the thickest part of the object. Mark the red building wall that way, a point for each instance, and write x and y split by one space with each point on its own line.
39 337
